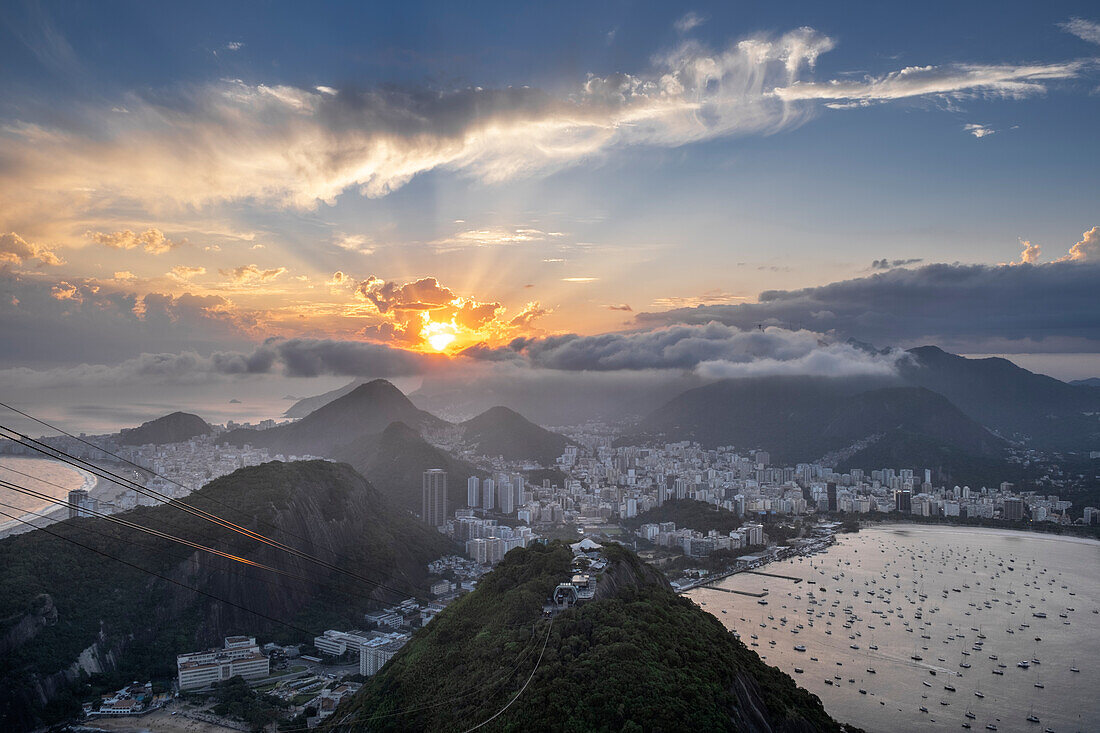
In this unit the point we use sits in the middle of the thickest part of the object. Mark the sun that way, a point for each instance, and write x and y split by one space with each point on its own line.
440 341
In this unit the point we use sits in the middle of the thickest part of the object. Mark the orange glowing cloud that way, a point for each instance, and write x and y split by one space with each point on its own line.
426 315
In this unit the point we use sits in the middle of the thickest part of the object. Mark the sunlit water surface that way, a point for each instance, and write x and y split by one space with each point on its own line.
933 592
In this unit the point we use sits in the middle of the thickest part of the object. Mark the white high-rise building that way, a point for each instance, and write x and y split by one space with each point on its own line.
473 491
507 498
488 493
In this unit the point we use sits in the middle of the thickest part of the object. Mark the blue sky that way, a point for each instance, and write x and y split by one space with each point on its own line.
205 176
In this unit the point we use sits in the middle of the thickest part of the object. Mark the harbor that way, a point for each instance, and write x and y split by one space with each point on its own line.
914 628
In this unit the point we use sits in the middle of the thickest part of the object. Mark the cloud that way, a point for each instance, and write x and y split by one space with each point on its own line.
711 348
234 46
291 357
978 130
424 313
620 307
968 308
359 243
151 240
960 80
688 22
249 274
1030 254
579 279
16 250
885 264
1086 30
294 147
494 237
423 294
1087 250
708 297
105 321
183 273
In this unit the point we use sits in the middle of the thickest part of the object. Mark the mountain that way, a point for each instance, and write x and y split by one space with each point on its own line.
636 657
66 608
306 405
361 413
1018 404
803 418
396 460
174 428
1090 382
502 432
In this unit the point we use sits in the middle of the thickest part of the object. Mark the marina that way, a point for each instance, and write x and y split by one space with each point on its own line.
1002 619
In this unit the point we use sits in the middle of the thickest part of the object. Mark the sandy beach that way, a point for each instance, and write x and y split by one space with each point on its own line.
52 478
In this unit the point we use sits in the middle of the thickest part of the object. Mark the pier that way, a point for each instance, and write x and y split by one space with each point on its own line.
738 592
775 575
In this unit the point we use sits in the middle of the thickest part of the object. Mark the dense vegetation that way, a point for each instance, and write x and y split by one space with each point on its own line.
697 515
637 658
61 599
235 698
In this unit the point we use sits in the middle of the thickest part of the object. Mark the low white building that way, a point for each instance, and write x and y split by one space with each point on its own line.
240 657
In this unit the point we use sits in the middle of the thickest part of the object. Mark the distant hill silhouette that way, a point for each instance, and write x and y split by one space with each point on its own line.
395 461
502 432
360 414
1007 398
1090 382
306 405
801 419
173 428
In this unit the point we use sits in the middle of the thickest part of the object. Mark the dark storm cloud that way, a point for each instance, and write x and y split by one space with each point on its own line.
1050 307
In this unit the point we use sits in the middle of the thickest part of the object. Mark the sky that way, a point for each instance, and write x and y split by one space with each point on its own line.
290 195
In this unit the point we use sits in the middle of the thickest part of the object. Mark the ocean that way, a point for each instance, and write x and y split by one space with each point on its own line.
952 596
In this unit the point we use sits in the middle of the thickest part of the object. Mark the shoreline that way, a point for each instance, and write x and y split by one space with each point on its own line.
51 511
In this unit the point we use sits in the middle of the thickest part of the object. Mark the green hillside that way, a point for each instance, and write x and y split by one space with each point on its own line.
61 600
636 658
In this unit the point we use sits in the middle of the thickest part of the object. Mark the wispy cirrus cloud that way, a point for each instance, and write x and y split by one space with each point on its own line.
956 80
293 147
1086 30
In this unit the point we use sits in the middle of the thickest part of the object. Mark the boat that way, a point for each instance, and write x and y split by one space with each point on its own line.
1032 718
998 671
949 688
970 715
1024 664
798 670
978 694
923 709
799 648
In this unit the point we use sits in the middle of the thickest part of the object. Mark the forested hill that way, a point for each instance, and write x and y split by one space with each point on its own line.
173 428
637 658
68 606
